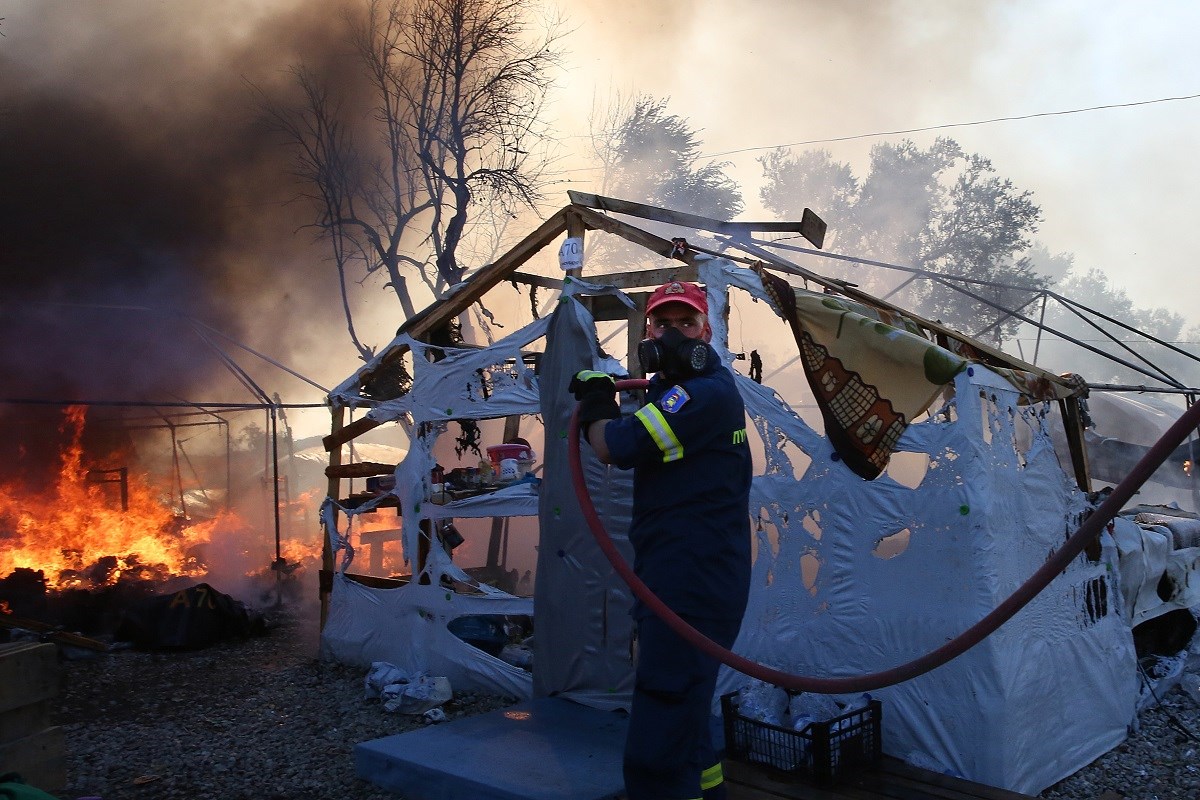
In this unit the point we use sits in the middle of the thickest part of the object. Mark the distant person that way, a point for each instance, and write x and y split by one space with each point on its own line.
690 534
525 585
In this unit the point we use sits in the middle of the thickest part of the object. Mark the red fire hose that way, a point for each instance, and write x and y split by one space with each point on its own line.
1040 579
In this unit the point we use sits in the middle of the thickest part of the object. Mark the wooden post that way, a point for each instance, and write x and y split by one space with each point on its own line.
512 429
424 540
1073 427
636 332
576 230
332 490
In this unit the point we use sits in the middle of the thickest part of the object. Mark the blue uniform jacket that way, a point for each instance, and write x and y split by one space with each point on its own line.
691 492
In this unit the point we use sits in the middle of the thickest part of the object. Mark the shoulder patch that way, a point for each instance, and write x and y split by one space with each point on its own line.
675 399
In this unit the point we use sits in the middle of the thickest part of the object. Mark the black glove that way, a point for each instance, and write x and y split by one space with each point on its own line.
597 396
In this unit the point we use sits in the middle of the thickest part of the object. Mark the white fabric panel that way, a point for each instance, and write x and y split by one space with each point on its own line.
407 627
1149 556
850 576
992 505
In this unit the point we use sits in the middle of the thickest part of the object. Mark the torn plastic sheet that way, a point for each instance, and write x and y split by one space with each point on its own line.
417 696
402 693
853 576
406 627
464 383
849 577
991 505
1156 576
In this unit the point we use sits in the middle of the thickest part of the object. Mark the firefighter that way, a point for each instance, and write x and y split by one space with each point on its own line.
690 533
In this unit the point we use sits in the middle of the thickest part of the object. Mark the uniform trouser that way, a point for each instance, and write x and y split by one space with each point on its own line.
669 745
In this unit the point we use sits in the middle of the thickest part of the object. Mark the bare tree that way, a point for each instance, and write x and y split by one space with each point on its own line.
457 89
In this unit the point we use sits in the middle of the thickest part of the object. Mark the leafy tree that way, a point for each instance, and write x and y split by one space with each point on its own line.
814 180
457 89
649 155
937 209
1091 288
653 156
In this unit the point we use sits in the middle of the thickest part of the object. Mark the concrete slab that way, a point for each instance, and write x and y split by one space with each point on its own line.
543 749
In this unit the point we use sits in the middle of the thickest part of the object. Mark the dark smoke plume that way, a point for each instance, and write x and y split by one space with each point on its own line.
136 172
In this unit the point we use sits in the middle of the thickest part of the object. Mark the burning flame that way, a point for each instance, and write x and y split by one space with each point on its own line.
77 532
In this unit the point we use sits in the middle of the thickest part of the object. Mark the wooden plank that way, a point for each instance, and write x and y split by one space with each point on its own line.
604 307
891 780
650 278
381 536
744 778
894 767
635 333
28 673
439 313
348 432
53 633
575 230
901 788
40 759
359 469
811 226
655 244
325 578
530 279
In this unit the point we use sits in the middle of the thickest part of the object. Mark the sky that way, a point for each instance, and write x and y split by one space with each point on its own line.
1118 187
134 170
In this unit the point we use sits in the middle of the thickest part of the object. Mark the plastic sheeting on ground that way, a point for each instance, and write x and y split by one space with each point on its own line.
407 627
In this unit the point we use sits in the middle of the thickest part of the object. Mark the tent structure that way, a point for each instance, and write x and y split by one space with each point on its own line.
938 475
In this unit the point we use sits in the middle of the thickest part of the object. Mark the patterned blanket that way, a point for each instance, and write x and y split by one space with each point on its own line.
873 370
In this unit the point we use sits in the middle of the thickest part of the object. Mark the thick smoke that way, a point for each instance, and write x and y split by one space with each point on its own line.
138 172
141 188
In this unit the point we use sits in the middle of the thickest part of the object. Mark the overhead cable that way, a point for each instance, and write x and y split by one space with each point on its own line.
954 125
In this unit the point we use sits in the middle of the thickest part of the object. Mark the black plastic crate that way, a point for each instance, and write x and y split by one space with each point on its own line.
823 751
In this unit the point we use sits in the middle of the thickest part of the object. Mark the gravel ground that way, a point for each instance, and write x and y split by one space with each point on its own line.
1159 761
263 718
254 719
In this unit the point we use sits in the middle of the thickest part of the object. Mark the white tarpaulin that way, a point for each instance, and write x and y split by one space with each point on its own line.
851 576
855 576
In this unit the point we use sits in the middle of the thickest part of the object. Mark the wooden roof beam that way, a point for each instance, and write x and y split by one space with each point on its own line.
810 226
476 286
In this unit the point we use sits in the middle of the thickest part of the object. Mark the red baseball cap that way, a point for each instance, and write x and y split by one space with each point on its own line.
678 292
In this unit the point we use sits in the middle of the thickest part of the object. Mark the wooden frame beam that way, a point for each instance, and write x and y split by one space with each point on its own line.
810 226
475 287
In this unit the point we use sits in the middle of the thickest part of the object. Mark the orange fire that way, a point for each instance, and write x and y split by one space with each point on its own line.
77 524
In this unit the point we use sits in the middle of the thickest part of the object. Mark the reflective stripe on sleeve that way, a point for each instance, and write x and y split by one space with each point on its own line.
656 425
713 776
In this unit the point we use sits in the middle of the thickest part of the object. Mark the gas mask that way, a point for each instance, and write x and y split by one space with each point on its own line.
674 354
